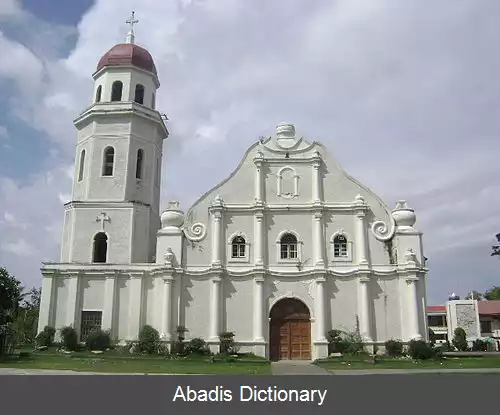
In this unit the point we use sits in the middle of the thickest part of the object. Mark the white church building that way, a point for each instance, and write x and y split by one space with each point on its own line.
285 249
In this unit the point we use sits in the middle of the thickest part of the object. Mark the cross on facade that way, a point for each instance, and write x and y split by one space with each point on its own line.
102 217
131 21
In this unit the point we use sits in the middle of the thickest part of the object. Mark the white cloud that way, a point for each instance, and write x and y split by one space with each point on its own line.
10 8
19 248
403 94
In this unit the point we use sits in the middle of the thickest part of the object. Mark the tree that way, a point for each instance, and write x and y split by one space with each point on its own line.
474 295
10 297
26 324
495 249
492 294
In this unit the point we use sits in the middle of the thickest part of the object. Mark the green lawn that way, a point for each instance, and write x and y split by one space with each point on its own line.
113 362
358 363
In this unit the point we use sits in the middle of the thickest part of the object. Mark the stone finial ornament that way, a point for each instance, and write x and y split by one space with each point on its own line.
172 216
360 200
285 131
404 216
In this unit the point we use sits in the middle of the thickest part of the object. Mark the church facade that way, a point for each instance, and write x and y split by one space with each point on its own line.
285 249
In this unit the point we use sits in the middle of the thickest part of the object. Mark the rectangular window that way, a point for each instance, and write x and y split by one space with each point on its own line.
235 251
486 326
284 251
90 320
293 251
242 251
437 321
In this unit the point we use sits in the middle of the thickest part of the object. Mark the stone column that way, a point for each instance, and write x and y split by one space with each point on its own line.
258 161
364 308
166 322
46 314
215 296
320 312
259 238
135 305
258 309
361 239
216 237
108 315
413 315
318 239
73 303
316 179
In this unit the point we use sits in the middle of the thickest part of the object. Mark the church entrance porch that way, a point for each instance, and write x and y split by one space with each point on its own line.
290 331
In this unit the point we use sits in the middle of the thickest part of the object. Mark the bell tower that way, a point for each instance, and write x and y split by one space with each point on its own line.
113 216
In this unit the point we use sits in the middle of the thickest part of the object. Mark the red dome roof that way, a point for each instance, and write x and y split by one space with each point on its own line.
128 54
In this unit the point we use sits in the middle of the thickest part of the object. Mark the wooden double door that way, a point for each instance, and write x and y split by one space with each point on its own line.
290 331
291 340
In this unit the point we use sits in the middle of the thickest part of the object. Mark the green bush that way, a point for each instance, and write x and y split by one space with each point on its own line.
420 350
149 340
46 337
460 340
197 346
98 340
393 348
178 346
432 337
227 345
69 338
479 346
336 344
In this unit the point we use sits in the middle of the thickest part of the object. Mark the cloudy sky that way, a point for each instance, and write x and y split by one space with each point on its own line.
406 94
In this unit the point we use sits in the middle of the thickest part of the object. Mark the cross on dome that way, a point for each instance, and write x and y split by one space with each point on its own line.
131 21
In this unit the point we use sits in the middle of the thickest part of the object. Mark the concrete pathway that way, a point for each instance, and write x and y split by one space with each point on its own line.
412 371
297 367
13 371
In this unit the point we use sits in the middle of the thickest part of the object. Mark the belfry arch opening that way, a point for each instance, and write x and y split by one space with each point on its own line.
290 330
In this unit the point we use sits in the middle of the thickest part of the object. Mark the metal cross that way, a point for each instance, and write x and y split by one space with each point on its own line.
102 217
132 21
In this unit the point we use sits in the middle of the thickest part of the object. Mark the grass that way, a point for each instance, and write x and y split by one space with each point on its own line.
358 363
115 362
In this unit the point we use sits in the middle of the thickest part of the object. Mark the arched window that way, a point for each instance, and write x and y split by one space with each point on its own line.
153 101
81 166
108 161
100 251
238 246
116 91
288 245
340 246
139 94
98 94
138 167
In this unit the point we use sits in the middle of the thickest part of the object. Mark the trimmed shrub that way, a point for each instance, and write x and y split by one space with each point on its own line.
197 346
227 345
98 340
149 340
460 340
420 350
432 337
69 338
46 337
393 348
479 346
336 344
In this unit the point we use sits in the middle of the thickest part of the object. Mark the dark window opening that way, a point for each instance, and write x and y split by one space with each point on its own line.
116 91
238 247
100 248
139 94
108 162
288 246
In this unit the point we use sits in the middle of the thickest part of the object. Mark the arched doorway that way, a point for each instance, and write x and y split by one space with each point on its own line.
290 331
